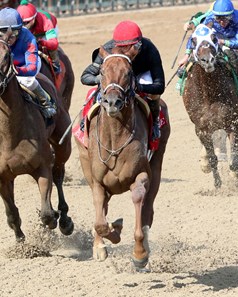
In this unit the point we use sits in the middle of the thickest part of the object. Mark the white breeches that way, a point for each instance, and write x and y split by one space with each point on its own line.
30 82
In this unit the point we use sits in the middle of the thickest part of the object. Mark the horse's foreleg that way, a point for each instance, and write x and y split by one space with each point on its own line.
206 140
13 218
102 228
139 189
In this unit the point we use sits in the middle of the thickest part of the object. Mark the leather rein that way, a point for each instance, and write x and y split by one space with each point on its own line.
115 152
10 72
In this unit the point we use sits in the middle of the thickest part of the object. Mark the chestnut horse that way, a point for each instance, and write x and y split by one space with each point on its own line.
210 98
30 146
64 82
115 160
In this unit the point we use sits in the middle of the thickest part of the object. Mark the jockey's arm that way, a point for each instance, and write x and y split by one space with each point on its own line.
152 59
50 41
91 75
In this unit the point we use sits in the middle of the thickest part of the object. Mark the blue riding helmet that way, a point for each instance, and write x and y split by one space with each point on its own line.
223 8
9 17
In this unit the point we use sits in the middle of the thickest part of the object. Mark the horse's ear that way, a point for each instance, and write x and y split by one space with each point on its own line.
194 42
133 51
214 38
102 52
210 25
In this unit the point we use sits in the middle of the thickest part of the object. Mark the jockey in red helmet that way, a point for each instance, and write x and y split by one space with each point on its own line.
25 56
147 65
44 26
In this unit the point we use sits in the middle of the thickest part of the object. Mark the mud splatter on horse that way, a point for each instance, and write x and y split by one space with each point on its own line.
210 98
115 160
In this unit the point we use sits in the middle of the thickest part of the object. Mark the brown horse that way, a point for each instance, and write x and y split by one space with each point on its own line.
28 147
64 82
210 98
116 158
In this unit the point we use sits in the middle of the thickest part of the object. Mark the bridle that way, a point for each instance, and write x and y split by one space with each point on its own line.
6 77
127 93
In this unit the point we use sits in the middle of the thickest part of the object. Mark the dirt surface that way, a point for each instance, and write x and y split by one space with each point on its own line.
195 230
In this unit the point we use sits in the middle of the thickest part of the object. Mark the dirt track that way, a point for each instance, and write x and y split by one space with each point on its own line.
194 235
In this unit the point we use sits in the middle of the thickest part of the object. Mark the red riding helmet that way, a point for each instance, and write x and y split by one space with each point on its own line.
27 11
126 33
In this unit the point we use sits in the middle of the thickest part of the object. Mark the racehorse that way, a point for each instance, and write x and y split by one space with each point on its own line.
64 82
29 145
210 98
115 160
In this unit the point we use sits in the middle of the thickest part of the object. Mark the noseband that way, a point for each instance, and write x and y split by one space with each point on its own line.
6 77
115 85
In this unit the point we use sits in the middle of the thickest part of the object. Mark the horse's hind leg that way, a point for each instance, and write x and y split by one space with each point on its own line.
233 137
62 154
13 218
138 190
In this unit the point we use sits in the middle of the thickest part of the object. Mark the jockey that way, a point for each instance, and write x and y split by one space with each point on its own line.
44 26
25 56
147 66
224 20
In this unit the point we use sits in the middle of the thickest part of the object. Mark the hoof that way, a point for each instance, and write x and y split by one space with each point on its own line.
140 265
66 226
20 239
100 252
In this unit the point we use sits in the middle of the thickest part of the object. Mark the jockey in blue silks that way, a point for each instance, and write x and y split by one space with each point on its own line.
24 52
224 20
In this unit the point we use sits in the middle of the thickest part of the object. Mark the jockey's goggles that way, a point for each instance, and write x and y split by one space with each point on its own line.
223 18
14 34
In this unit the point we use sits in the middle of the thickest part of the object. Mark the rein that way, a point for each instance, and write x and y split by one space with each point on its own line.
112 152
9 75
115 152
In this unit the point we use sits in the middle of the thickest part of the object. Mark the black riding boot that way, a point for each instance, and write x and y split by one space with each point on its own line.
155 110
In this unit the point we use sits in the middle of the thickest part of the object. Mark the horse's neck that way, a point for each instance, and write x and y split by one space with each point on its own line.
117 128
12 104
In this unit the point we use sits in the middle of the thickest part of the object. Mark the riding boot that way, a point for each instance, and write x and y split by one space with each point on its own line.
44 99
233 59
54 55
155 110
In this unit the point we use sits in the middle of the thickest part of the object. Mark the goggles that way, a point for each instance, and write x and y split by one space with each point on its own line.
14 34
223 18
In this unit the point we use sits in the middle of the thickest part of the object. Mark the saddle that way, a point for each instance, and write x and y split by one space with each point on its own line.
80 131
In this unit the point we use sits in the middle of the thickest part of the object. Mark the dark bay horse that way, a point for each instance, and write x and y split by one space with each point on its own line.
115 160
27 146
64 82
210 98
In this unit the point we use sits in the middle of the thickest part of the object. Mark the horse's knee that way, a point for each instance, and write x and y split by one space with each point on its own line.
102 230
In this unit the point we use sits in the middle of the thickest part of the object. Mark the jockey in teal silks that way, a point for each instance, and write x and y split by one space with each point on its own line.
224 20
